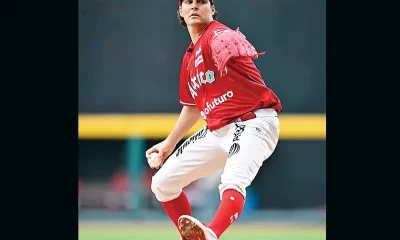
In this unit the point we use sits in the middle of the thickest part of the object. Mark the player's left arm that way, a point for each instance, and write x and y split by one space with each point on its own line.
228 44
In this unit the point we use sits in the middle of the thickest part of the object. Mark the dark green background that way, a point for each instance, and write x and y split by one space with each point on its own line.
129 61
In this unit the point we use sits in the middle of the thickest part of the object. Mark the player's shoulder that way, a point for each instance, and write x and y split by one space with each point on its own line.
215 29
188 51
215 25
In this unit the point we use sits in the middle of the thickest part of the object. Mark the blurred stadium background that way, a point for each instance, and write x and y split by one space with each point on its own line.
130 53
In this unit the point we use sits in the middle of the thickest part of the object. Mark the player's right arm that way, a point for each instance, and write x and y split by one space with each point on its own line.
187 118
189 113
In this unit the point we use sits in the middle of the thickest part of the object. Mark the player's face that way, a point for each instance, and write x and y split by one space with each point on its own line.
196 11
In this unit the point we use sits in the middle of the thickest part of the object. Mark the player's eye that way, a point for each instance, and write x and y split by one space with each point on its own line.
191 1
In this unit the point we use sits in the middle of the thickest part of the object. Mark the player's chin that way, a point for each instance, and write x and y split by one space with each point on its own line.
195 21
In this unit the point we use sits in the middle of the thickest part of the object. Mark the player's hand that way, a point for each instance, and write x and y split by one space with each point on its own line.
164 149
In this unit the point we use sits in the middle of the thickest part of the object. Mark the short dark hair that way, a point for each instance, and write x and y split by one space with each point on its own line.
182 20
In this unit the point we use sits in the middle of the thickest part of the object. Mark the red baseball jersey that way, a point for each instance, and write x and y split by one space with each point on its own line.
221 100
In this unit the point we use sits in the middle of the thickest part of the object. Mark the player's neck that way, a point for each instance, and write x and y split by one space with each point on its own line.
195 32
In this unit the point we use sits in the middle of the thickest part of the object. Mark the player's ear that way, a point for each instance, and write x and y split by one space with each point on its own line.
212 10
180 11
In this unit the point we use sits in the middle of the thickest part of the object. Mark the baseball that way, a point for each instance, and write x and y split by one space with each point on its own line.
154 160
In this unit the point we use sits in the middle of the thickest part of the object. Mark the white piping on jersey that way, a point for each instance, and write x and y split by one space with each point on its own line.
188 103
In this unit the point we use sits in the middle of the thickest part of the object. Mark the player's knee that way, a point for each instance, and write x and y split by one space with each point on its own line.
156 185
163 188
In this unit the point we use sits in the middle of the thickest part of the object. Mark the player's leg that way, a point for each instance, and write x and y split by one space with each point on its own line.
251 142
199 156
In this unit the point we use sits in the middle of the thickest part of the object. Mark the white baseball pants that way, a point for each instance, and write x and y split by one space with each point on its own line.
238 148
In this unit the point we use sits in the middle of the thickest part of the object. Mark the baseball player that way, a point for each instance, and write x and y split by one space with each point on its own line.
220 83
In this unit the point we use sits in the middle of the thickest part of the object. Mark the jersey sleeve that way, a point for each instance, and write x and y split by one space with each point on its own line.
185 98
228 44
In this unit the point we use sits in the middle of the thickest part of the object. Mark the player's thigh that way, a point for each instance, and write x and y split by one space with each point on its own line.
248 145
197 157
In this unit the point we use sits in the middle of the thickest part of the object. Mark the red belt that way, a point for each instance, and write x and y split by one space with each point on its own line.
246 116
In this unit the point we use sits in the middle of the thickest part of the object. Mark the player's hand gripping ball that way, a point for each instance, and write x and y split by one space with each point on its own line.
155 160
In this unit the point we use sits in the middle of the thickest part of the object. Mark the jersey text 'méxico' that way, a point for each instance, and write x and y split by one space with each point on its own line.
221 100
